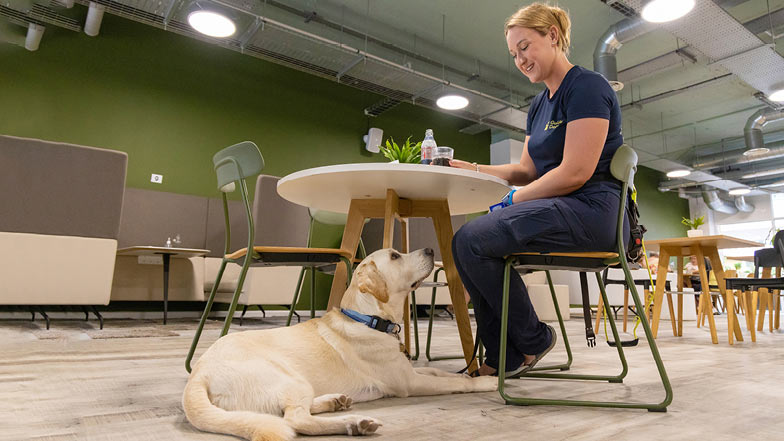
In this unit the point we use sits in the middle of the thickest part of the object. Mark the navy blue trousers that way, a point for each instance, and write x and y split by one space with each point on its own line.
581 221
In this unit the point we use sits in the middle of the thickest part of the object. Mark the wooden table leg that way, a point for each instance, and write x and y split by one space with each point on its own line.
705 299
443 226
661 279
679 270
351 235
763 300
729 298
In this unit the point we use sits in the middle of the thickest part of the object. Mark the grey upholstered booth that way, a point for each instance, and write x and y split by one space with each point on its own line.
150 217
60 207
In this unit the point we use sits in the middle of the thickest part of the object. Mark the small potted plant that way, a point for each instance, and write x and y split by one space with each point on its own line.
694 225
407 153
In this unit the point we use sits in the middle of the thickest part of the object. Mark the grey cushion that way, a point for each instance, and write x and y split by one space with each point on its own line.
60 189
278 221
149 217
421 234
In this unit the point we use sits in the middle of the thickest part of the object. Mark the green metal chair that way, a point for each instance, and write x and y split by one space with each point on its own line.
327 218
623 167
233 165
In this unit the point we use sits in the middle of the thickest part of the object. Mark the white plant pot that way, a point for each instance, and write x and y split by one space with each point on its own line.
694 233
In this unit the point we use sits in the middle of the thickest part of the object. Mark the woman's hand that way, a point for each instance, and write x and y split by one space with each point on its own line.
456 163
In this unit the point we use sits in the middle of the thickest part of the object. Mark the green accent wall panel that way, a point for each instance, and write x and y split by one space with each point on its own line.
661 213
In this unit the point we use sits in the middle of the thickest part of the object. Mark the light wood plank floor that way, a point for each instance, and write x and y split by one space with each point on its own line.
125 383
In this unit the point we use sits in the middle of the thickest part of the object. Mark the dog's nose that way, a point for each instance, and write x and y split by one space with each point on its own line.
429 252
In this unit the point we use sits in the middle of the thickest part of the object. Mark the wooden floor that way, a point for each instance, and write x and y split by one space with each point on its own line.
76 382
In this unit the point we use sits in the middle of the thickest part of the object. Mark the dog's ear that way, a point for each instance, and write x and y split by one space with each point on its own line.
369 281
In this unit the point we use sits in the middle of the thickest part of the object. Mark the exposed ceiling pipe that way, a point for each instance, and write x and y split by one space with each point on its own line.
753 130
775 150
94 17
742 205
715 203
34 34
616 35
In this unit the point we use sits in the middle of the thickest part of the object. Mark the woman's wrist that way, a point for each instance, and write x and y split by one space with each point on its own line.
476 166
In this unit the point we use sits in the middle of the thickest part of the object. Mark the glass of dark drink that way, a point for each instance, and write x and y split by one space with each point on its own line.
442 156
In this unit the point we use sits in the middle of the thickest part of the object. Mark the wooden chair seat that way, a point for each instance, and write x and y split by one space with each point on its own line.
589 261
295 256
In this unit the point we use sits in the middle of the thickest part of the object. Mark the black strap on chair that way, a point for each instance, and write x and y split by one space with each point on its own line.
590 337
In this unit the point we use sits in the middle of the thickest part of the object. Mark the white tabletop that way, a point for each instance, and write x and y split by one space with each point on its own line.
333 187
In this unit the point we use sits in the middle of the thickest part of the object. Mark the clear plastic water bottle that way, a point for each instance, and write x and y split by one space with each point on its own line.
428 147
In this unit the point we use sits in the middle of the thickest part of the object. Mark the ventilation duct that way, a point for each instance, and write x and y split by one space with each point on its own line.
616 35
742 205
753 130
775 150
715 203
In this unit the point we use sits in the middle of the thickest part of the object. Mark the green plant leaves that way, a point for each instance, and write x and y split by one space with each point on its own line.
407 153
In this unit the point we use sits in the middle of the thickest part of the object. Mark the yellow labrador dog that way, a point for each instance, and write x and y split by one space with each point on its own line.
267 385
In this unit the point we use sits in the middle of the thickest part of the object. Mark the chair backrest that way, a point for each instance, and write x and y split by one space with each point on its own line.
778 244
623 168
624 164
237 162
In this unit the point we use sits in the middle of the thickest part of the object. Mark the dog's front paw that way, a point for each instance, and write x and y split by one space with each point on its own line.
362 425
484 383
343 402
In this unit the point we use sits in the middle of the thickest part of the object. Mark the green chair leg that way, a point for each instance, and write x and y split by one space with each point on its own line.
296 296
207 309
430 325
569 358
661 406
236 298
312 292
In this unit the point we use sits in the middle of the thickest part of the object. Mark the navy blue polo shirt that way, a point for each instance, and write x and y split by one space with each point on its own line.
582 94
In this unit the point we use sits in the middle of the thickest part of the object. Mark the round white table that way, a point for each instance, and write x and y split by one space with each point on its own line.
334 187
390 191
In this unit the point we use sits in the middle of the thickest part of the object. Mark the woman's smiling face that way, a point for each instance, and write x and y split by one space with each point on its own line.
533 53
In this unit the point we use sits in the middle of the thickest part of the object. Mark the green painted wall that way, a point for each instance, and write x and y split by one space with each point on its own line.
661 213
171 102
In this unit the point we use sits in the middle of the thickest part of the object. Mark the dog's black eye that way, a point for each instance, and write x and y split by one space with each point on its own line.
394 256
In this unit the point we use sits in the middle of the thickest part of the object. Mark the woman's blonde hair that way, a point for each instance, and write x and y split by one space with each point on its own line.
540 17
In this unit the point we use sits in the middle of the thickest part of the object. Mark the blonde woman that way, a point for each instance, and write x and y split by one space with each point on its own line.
569 201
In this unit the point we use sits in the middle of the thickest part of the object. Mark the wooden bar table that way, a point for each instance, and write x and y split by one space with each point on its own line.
701 247
398 191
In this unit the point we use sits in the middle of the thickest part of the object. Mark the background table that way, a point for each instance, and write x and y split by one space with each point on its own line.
167 253
390 191
701 247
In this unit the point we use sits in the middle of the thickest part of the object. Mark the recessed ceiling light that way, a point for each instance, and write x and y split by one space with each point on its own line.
777 96
452 102
740 191
757 151
212 24
679 173
660 11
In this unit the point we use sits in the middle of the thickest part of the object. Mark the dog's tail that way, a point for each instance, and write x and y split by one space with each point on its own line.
250 425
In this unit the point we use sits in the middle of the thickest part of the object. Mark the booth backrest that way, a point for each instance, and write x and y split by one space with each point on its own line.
60 189
278 221
150 217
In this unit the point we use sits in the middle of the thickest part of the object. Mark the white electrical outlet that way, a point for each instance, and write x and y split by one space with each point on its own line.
151 260
156 179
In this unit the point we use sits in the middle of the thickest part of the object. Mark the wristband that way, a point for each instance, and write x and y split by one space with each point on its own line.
476 166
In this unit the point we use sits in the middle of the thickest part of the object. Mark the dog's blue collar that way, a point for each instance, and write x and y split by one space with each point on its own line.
372 321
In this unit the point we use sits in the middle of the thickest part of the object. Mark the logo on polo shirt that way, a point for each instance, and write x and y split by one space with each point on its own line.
553 125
